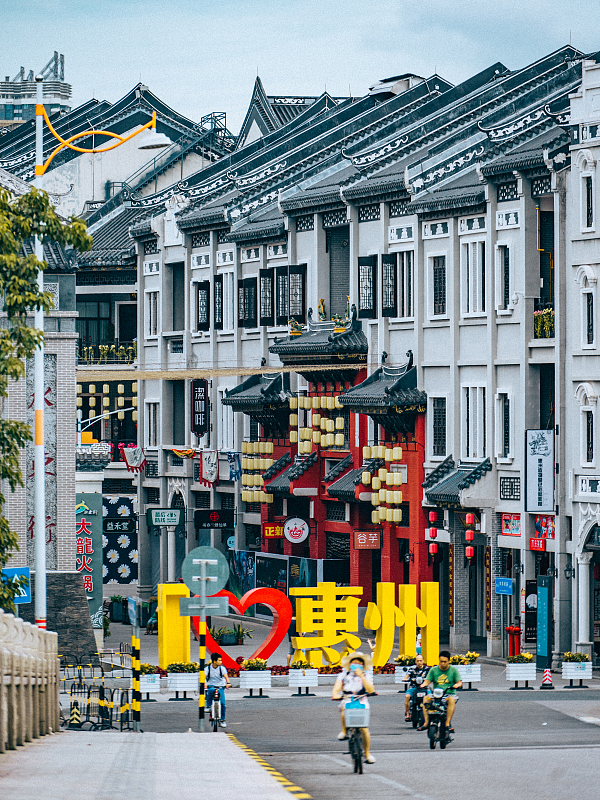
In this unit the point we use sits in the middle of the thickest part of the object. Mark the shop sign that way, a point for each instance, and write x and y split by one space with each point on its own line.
272 530
530 610
88 550
544 527
451 585
539 545
207 518
200 407
114 525
164 516
296 530
511 524
539 446
504 586
367 540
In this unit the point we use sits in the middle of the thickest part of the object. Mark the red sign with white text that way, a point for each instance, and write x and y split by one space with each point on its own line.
367 540
538 544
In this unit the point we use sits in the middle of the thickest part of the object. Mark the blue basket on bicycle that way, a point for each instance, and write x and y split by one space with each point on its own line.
356 714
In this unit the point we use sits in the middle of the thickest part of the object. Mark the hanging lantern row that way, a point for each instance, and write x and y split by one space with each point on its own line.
105 404
383 514
381 451
255 448
327 402
256 497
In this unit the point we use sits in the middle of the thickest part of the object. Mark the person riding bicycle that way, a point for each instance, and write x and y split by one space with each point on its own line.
217 680
446 677
418 670
354 681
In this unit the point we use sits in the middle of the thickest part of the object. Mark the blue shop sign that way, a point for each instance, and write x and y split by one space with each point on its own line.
504 586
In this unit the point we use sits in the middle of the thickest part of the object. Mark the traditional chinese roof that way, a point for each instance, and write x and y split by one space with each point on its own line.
113 246
281 484
338 468
436 475
277 466
254 231
343 489
55 256
390 396
320 345
447 490
265 399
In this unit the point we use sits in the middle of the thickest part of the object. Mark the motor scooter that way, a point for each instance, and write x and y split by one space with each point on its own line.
438 731
416 704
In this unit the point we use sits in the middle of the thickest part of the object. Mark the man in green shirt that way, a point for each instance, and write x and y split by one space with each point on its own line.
446 677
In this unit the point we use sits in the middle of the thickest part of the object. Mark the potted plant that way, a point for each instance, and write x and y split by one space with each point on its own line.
402 663
576 667
240 632
183 676
228 637
116 608
217 634
301 674
149 680
470 672
520 668
255 675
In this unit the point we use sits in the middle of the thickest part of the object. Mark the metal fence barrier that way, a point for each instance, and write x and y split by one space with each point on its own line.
29 682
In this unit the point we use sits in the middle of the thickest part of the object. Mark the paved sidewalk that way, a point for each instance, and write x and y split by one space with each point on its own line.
130 766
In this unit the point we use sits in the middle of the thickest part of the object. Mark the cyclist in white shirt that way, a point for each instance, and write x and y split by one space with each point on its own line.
217 680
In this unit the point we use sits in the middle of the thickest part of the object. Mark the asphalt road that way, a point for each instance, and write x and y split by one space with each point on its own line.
507 745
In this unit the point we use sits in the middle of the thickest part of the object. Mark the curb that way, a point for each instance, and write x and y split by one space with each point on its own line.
295 791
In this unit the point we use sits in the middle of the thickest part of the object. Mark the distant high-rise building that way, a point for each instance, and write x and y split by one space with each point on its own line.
17 96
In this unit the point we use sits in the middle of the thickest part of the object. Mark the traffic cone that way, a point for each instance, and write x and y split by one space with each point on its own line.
75 717
547 680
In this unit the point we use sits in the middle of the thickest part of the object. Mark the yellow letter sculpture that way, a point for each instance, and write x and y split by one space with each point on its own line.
173 629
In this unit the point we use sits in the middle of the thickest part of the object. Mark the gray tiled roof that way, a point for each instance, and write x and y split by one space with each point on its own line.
338 468
449 487
320 339
258 390
343 489
386 387
281 484
277 466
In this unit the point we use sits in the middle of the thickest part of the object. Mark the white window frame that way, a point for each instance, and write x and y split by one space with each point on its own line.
476 424
229 301
499 248
587 169
148 438
430 399
585 290
226 424
118 304
147 315
474 293
401 284
499 426
583 411
430 288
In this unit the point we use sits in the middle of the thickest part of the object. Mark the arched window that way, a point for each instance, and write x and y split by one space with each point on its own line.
587 396
587 172
587 279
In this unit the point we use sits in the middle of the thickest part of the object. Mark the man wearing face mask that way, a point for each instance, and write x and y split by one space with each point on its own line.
354 681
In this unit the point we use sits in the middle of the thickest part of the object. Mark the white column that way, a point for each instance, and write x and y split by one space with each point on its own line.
583 578
171 554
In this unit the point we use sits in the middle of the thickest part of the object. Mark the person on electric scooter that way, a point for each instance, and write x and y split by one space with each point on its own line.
446 677
418 670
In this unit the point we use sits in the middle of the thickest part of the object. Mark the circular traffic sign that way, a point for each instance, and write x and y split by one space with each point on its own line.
220 570
295 530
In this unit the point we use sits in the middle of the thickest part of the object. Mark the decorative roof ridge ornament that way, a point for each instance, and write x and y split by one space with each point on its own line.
521 124
475 473
255 178
436 475
369 157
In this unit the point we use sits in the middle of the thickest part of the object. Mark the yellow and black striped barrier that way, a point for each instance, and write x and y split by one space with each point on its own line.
136 694
202 677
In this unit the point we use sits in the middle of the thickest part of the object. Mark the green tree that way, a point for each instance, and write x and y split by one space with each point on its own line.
22 218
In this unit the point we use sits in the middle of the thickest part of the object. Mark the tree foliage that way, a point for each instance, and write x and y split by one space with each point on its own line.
21 219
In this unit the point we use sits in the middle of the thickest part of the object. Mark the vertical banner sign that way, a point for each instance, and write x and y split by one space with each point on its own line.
530 611
539 447
544 622
451 585
200 408
88 550
488 588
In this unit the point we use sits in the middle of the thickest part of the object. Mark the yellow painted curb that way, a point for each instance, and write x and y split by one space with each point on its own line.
296 791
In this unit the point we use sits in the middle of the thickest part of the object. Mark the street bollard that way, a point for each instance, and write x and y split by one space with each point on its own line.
136 694
547 680
202 677
75 717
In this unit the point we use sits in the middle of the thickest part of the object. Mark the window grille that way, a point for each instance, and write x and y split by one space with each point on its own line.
152 495
439 426
405 509
589 436
253 430
336 511
197 472
475 433
297 284
218 302
201 239
150 247
589 309
337 545
369 213
222 237
118 486
589 203
406 283
398 208
177 346
505 410
152 321
247 303
203 322
201 499
151 469
505 276
439 285
367 266
266 297
176 461
510 488
107 277
541 186
227 500
152 426
389 285
332 219
507 191
474 277
305 223
346 416
282 295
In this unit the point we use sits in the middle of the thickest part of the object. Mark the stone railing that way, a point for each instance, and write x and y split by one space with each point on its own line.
29 682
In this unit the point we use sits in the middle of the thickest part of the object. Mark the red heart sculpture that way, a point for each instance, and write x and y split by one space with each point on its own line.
282 616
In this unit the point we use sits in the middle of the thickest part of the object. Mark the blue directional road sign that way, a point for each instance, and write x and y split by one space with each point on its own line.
24 595
504 586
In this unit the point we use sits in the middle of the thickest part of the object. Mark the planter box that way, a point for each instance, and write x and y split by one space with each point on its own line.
228 639
521 672
576 670
116 611
303 677
400 675
183 681
258 679
471 673
149 683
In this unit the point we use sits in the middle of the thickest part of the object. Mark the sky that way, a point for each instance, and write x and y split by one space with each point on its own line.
202 56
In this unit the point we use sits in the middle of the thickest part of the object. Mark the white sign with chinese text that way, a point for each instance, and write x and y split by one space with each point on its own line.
539 446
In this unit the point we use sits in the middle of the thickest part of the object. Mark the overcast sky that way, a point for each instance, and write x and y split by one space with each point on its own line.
202 56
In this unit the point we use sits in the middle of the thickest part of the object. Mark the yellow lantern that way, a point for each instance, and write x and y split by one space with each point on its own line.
244 496
330 440
92 388
376 483
293 420
79 402
121 388
389 496
382 512
293 437
382 472
134 402
389 514
400 454
337 403
397 453
330 426
105 401
330 403
79 388
269 498
121 415
92 402
259 481
133 416
375 499
316 420
120 402
244 461
339 423
382 495
339 440
293 403
375 517
105 388
397 496
316 402
389 454
366 478
134 387
366 453
91 414
316 437
269 448
397 515
244 447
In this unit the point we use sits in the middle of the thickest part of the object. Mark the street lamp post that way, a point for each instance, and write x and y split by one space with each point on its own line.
152 141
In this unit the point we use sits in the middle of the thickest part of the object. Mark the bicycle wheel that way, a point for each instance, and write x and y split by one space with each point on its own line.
358 753
414 715
216 712
432 733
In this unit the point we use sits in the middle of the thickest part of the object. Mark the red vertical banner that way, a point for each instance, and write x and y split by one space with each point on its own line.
488 588
451 585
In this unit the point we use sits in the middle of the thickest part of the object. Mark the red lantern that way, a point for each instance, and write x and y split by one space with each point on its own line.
469 535
433 548
433 516
433 533
470 519
469 552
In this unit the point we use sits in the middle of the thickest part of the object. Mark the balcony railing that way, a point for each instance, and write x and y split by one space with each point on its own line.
117 352
543 322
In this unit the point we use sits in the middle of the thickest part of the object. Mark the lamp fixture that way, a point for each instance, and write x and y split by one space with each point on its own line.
518 568
154 140
569 571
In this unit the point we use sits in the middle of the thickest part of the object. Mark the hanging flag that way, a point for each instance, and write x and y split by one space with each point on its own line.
235 466
133 457
210 467
189 453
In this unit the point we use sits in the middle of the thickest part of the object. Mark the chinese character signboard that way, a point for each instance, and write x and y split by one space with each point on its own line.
207 518
271 530
164 516
367 540
200 407
539 445
120 540
537 544
295 530
88 550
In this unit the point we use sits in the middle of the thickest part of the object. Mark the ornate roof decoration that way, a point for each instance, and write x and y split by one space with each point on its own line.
281 484
447 490
252 180
338 468
282 462
264 398
370 157
253 231
344 488
438 473
455 164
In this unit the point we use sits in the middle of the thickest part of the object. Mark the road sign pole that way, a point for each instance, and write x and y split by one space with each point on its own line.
136 694
202 692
